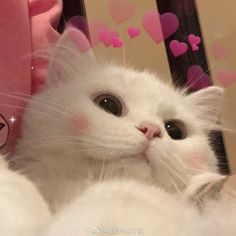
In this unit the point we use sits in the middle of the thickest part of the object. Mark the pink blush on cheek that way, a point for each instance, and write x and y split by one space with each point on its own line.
80 122
196 162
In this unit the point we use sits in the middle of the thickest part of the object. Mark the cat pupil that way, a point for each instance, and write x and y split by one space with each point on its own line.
175 130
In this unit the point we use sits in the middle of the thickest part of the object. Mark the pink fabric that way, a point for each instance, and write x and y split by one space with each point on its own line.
25 26
44 16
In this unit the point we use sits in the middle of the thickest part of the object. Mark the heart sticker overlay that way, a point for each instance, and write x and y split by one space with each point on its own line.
194 41
178 48
4 131
117 42
226 78
121 10
197 79
133 32
106 36
160 27
219 51
195 47
79 39
94 26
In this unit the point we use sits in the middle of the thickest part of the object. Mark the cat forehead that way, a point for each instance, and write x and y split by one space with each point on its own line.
137 85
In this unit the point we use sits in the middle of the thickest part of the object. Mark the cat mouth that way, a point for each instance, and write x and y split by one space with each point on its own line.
143 155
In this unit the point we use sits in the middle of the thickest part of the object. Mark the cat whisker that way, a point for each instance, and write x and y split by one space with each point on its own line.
28 151
172 170
93 136
203 73
39 112
43 144
102 173
23 97
191 170
33 110
50 138
73 140
175 185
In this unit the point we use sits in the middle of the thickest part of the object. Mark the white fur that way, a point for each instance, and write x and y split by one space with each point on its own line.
137 209
62 161
23 212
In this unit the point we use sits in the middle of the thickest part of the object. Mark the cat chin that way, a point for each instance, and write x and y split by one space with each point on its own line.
136 150
144 157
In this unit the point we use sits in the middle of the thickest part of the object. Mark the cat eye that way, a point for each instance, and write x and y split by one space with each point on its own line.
176 129
109 103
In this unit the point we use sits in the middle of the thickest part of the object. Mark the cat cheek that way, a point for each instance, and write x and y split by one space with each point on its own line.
80 122
196 162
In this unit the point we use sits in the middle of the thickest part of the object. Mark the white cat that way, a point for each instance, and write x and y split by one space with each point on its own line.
23 212
96 122
111 149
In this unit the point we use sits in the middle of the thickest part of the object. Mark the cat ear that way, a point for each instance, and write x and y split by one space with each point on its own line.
71 57
206 103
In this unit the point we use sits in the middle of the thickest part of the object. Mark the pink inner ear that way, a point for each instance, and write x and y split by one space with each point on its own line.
80 122
196 162
79 39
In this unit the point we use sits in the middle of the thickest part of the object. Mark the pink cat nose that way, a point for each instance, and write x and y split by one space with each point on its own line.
150 130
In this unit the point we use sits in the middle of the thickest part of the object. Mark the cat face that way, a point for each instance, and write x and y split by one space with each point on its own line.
109 113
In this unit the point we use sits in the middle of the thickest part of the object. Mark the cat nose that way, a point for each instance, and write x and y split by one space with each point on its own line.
150 130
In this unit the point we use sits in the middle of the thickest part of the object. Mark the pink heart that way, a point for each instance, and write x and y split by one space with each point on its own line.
197 79
106 36
160 27
226 78
117 42
195 47
219 51
95 26
121 10
193 39
94 29
133 32
178 48
169 23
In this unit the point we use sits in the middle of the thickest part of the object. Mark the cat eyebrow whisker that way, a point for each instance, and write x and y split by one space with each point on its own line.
200 64
203 73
